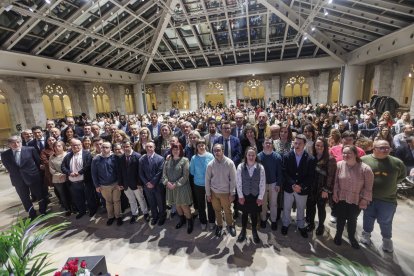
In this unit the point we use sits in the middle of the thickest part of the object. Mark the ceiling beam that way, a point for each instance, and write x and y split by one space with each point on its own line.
248 29
159 32
229 33
388 6
288 15
267 33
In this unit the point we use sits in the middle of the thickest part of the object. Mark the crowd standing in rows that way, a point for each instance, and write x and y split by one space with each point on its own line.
218 162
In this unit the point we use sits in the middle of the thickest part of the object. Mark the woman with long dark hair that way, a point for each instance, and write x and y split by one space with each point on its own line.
323 185
249 140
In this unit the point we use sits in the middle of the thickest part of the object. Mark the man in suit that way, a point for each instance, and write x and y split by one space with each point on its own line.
298 174
367 128
77 166
238 130
172 123
150 172
231 144
212 135
154 127
23 164
134 137
39 141
70 121
406 153
184 139
27 136
129 181
262 128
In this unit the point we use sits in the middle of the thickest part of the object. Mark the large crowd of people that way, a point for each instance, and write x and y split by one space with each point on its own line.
215 164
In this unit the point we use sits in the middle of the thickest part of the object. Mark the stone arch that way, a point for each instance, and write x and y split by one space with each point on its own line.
180 95
335 89
56 100
101 99
296 86
214 93
129 101
5 118
150 98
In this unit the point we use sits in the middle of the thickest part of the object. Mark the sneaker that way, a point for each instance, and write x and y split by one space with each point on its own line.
284 230
110 221
365 238
203 227
387 245
333 219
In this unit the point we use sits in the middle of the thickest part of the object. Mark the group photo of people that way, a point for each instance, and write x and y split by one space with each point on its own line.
292 168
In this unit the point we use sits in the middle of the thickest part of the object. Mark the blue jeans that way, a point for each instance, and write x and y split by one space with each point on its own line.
383 212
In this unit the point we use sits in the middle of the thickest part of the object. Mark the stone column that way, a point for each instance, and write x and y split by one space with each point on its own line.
352 80
32 103
232 91
323 88
382 82
193 96
159 96
138 98
412 105
119 99
275 88
86 101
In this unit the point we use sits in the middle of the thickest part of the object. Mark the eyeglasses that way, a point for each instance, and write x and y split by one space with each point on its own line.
382 148
105 147
217 150
225 128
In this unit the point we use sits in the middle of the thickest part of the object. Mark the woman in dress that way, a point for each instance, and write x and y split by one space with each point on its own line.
323 185
59 178
251 185
352 192
175 179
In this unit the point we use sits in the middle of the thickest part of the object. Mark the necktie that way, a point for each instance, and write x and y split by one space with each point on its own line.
40 145
226 147
127 159
17 157
238 132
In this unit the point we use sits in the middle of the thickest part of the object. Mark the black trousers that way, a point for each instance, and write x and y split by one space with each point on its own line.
250 208
311 205
81 192
200 195
346 213
195 198
37 190
64 194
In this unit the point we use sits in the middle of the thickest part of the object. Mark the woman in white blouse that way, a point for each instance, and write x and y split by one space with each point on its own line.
251 184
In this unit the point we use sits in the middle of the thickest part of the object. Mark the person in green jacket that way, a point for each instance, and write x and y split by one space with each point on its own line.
388 172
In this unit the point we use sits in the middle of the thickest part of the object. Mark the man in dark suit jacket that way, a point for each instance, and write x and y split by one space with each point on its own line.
23 164
298 173
39 141
227 140
150 172
154 127
128 179
405 153
77 166
238 130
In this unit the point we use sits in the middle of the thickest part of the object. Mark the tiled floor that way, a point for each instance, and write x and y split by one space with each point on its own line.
141 249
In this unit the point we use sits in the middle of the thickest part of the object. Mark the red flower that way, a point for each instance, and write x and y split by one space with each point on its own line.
83 264
58 273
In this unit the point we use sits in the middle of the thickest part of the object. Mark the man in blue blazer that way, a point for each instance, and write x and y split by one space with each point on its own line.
128 179
231 144
77 166
298 174
154 127
23 165
39 141
150 172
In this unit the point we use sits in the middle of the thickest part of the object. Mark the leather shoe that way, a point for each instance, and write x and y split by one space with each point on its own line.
133 219
146 217
303 232
320 230
231 230
110 221
338 240
219 230
180 222
263 224
274 226
354 243
256 238
161 221
92 213
310 227
284 230
242 235
235 214
78 216
154 221
68 213
119 221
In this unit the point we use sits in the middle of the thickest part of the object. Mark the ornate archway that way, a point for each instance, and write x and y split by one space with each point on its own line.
5 125
214 93
129 102
254 92
335 89
101 99
150 98
180 97
56 101
296 87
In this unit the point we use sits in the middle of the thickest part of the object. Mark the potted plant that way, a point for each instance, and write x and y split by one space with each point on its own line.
338 266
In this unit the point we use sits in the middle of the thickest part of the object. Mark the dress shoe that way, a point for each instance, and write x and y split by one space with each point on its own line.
256 238
284 230
212 226
68 213
180 222
303 232
172 214
190 225
119 221
146 217
154 221
161 221
231 230
242 235
274 226
92 213
310 227
219 230
338 240
78 216
320 230
195 214
235 214
263 224
133 219
203 227
354 243
110 221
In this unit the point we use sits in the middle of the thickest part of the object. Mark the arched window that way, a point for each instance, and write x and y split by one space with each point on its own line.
253 89
407 89
214 93
5 126
56 101
296 87
100 99
179 96
150 99
335 89
129 102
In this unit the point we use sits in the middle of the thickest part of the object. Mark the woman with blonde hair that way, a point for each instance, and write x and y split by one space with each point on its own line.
162 141
119 136
144 138
386 116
